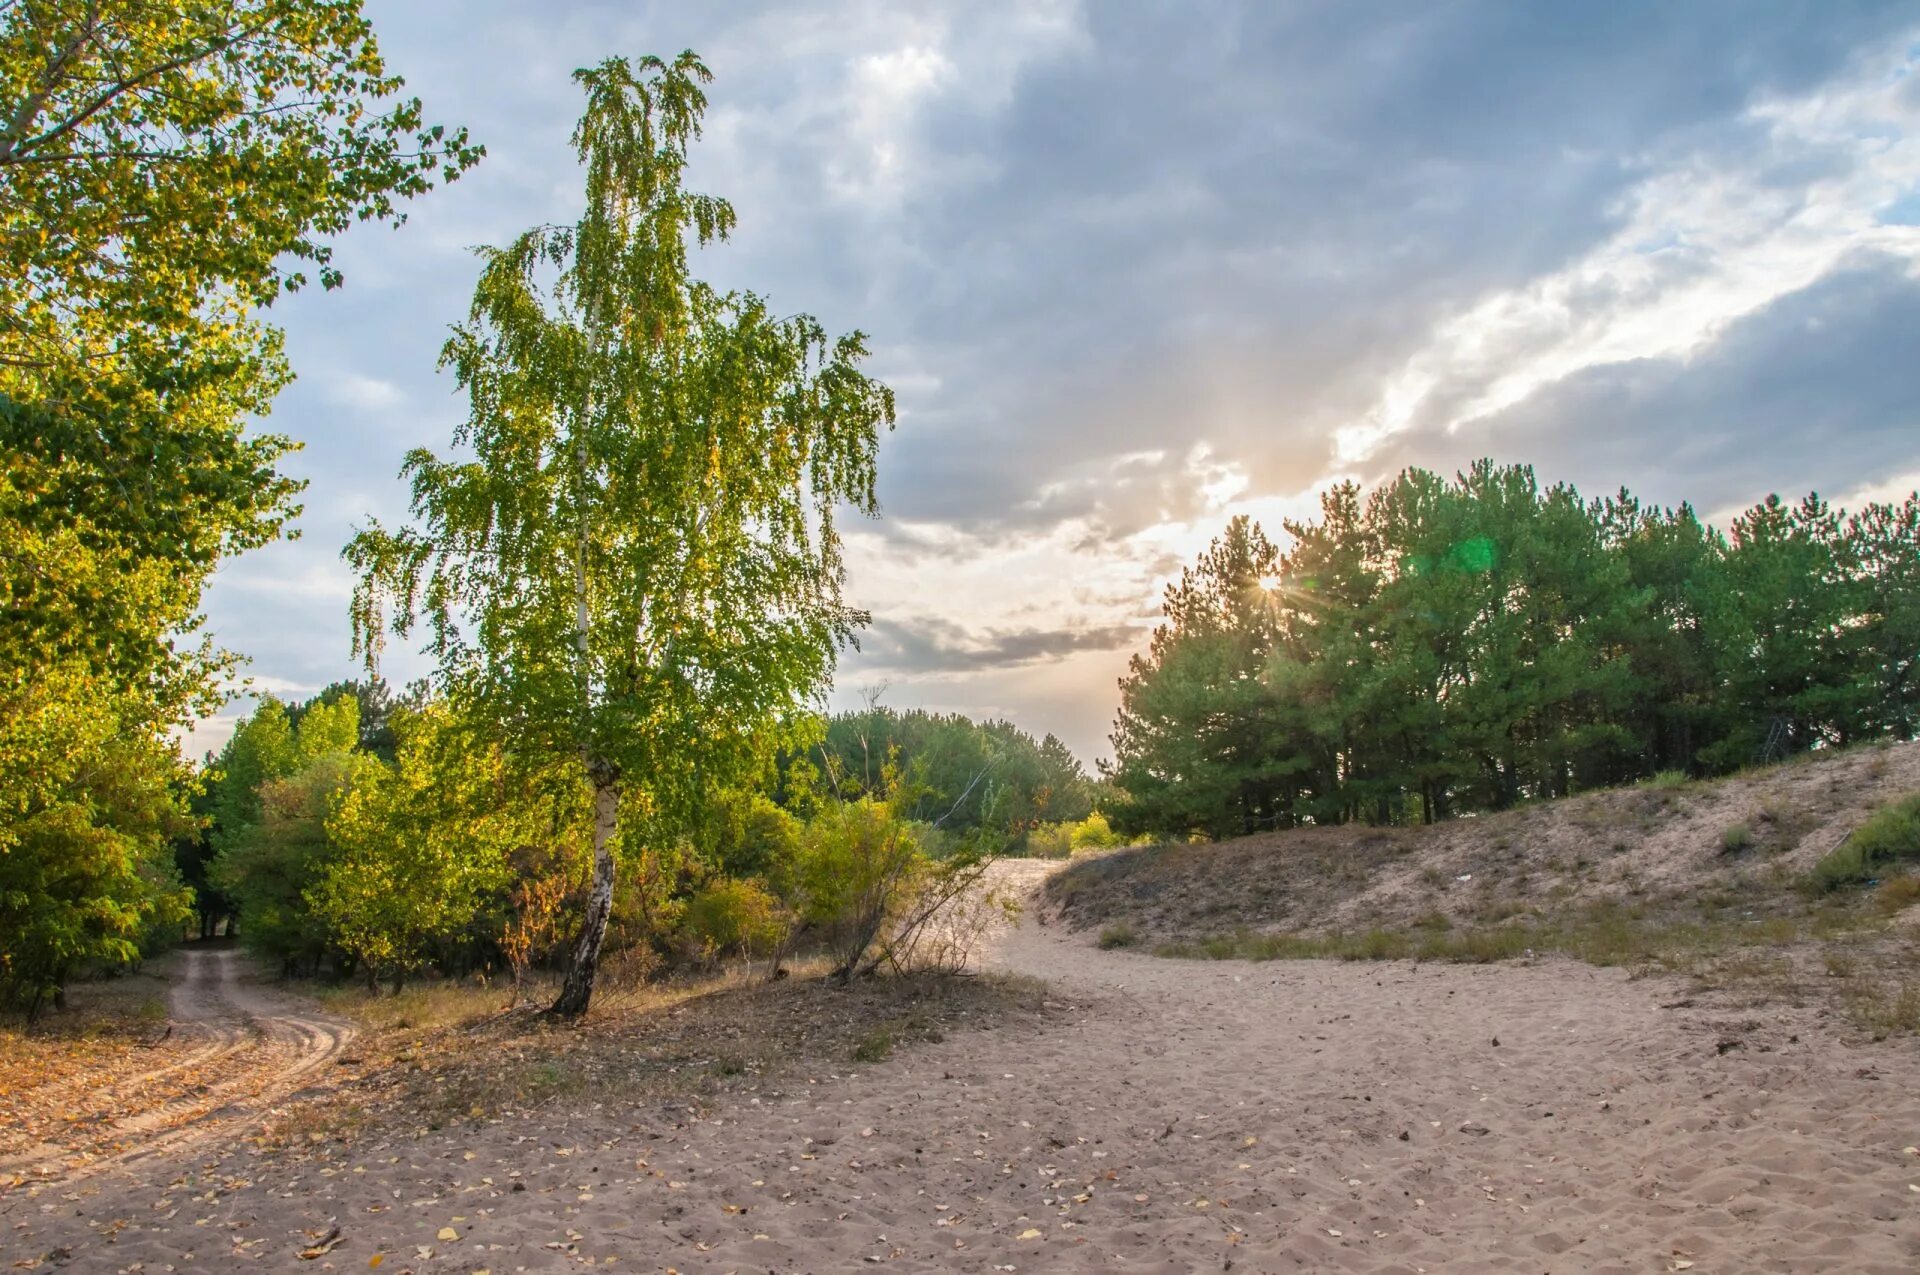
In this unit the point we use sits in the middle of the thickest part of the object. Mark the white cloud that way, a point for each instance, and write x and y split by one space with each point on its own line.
1704 241
363 393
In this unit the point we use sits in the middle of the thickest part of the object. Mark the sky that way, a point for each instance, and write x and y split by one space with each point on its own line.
1133 269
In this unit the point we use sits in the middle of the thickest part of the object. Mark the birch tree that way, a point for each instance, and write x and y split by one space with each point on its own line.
635 561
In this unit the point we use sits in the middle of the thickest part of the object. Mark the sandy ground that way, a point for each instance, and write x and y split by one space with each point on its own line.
1171 1117
1644 846
236 1046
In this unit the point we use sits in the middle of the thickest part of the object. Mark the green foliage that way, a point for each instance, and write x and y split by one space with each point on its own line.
160 164
420 847
269 865
1439 647
1095 832
164 161
859 862
1736 838
1890 836
274 785
731 917
743 833
639 565
85 873
986 778
1059 840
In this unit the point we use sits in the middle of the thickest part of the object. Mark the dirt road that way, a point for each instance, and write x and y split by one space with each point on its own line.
1172 1116
238 1045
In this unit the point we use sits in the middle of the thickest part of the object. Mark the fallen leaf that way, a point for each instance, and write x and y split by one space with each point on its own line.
447 1233
322 1246
1031 1233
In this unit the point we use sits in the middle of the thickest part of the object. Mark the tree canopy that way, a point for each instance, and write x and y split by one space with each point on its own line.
165 168
1441 646
639 563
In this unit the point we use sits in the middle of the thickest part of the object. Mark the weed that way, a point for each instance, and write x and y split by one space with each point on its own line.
1119 934
1890 835
1898 892
1885 1010
876 1046
1736 838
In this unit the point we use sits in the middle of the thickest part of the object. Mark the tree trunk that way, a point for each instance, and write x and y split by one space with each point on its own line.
577 991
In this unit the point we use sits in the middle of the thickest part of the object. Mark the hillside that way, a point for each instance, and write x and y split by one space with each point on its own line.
1666 872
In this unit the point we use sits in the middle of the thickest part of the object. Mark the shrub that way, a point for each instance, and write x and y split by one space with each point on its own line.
1668 781
1736 838
1094 833
1050 840
1119 934
859 867
1898 892
1890 835
731 917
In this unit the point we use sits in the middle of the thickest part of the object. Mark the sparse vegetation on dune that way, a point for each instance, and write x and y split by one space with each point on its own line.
1740 883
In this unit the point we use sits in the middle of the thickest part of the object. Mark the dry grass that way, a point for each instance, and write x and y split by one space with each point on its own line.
54 1072
1668 838
444 1056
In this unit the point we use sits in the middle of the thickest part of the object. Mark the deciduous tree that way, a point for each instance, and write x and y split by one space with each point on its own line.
639 562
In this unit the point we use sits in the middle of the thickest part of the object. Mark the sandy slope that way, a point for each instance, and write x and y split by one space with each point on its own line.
1173 1117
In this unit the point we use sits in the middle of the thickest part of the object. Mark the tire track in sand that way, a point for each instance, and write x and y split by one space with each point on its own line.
265 1044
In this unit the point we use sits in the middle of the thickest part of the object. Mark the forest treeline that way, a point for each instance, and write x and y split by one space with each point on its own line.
359 834
166 171
1442 646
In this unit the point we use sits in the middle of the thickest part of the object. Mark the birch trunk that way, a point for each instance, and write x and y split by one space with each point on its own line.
577 991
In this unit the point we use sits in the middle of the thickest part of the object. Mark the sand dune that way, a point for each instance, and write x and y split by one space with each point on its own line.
1170 1116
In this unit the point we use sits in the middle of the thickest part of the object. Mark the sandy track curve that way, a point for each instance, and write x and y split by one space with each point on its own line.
1173 1116
255 1046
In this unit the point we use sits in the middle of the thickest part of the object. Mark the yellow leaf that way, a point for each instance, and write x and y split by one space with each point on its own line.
448 1233
1031 1233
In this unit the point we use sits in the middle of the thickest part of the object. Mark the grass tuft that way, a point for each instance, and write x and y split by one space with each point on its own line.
1891 835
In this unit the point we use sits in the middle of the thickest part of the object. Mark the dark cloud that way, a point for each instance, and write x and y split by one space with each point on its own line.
931 645
1818 391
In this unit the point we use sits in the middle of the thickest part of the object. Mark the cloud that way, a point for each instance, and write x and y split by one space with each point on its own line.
1134 269
1707 239
929 644
1818 390
364 393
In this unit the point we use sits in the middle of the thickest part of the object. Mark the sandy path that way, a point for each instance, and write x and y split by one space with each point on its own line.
1175 1117
252 1046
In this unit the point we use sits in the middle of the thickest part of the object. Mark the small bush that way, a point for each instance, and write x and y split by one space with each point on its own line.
1119 934
1094 833
1736 838
1668 781
1885 1009
731 918
1050 840
876 1046
1890 835
1898 892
